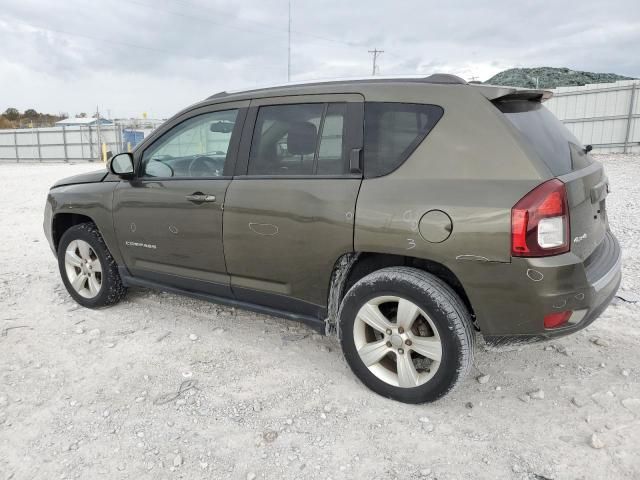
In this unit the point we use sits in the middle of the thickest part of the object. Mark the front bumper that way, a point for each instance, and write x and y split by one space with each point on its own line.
536 287
47 224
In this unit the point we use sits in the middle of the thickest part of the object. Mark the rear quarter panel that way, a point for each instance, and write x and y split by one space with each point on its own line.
469 166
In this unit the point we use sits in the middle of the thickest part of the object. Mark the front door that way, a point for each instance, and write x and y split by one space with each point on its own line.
289 211
168 220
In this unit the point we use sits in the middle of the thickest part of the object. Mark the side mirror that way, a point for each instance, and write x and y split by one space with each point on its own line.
121 165
588 148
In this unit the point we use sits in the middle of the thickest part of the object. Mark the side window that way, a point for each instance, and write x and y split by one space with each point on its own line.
393 131
195 148
299 139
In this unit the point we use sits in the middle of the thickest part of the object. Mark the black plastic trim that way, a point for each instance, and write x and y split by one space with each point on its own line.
311 321
185 283
279 302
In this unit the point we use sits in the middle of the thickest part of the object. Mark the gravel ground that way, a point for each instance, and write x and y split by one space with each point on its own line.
97 394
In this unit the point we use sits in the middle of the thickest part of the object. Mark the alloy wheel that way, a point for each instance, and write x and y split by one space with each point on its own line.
397 341
83 268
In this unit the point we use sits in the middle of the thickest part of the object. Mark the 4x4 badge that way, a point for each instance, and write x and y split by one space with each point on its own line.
580 238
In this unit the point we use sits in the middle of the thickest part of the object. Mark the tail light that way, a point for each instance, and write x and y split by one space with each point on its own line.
540 222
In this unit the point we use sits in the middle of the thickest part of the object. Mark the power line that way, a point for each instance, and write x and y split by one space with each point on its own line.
111 41
375 53
300 33
106 40
265 28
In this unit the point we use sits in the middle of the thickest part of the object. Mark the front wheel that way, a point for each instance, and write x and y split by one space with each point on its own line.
88 270
406 334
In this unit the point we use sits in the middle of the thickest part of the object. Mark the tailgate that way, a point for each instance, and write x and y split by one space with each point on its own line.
585 180
587 190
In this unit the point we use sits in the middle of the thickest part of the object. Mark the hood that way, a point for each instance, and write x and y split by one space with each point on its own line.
89 177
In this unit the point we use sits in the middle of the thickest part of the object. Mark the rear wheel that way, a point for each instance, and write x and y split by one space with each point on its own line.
88 270
406 334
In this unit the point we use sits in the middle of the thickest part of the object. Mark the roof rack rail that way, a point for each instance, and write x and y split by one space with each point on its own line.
441 78
445 78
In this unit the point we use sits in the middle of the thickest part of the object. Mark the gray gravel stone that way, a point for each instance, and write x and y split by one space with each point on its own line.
596 442
537 394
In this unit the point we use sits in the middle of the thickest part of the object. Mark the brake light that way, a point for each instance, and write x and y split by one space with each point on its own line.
540 222
555 320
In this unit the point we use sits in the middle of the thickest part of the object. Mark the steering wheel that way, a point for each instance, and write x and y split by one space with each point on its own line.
206 167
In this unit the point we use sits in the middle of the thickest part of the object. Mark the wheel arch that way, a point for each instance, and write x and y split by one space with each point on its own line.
353 266
63 221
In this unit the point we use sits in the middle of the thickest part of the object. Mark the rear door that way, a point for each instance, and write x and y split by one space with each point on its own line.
289 211
585 179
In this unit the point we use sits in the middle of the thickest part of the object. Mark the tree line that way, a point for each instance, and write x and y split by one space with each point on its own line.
30 118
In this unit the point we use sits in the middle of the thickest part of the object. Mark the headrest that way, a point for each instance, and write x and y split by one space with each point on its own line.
301 139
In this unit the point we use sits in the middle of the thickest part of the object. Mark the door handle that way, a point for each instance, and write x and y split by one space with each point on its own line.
200 197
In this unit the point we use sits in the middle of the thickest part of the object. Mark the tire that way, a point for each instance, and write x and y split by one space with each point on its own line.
83 253
439 342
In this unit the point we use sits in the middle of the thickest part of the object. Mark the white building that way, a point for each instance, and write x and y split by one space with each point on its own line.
82 122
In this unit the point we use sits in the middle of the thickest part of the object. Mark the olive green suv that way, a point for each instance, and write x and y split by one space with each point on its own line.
403 215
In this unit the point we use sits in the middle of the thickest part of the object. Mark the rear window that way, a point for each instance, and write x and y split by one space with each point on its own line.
549 138
392 131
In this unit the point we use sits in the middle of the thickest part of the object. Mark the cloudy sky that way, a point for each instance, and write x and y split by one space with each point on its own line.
157 56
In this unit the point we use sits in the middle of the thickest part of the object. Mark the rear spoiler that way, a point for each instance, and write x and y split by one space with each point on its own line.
495 92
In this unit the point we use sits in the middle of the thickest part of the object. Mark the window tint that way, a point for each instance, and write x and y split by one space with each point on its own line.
548 137
299 139
195 148
392 131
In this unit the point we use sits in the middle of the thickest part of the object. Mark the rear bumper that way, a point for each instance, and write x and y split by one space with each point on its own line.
540 286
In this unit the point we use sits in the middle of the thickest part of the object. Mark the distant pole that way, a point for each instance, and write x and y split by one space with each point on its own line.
625 148
99 136
289 47
375 53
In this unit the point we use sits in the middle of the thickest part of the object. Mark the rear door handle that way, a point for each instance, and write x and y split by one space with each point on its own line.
200 197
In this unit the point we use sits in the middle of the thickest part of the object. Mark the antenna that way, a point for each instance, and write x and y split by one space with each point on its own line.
289 47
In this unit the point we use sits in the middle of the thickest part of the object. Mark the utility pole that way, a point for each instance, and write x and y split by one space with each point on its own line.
98 131
289 47
375 53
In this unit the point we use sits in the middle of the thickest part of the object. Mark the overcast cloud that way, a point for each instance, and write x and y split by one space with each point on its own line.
157 56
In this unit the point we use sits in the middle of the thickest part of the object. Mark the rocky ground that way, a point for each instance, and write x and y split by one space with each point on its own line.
163 386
